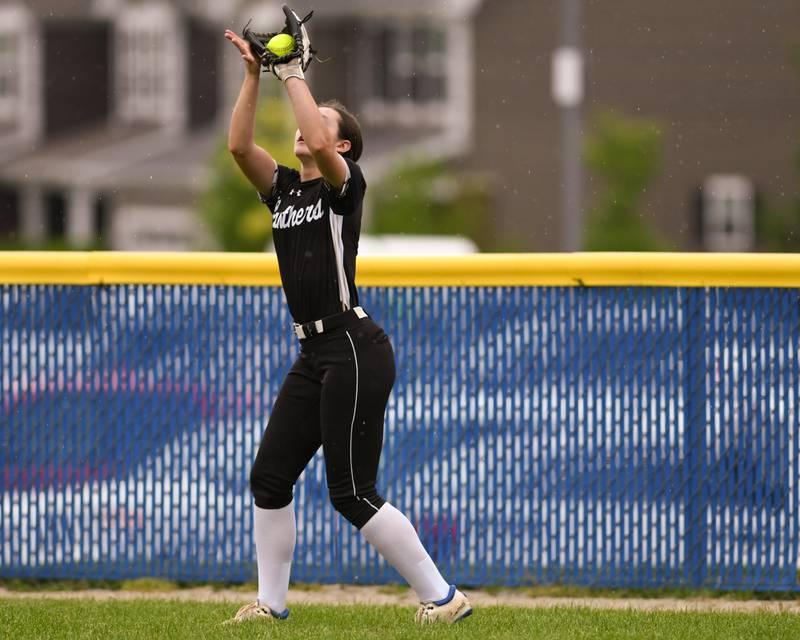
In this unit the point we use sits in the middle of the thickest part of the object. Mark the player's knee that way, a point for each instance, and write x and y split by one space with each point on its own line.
357 510
345 504
269 491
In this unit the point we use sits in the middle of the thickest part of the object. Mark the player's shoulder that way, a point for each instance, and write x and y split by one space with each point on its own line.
354 179
355 170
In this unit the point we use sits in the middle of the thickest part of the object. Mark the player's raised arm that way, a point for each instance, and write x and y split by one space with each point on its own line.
288 62
255 162
317 135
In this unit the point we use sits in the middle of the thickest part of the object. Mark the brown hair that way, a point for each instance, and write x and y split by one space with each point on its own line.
349 129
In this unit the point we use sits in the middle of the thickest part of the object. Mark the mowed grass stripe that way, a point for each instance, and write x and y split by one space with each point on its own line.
149 619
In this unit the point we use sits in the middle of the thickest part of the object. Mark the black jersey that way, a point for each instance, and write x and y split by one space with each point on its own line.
315 230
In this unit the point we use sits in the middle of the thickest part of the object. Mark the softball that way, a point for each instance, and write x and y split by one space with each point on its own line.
281 44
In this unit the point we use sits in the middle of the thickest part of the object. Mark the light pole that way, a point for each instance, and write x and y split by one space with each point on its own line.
568 90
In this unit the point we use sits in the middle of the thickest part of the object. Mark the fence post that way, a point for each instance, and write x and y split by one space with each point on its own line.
694 443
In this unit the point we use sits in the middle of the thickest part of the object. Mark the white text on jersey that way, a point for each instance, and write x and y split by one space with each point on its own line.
291 217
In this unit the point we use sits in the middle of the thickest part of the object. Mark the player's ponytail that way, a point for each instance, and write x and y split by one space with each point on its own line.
349 129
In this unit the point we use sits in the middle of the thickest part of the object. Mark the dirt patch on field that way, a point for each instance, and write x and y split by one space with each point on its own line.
344 595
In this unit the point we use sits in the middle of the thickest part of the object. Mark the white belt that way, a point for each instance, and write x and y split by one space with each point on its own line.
315 327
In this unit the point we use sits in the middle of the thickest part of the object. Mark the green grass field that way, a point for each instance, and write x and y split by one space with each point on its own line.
31 618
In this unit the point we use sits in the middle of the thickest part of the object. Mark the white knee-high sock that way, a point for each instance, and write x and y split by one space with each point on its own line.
395 538
275 533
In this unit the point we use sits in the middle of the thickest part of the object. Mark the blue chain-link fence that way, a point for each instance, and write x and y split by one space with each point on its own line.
616 436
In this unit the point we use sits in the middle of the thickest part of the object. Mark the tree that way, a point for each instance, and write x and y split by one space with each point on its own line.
426 197
779 226
230 206
625 154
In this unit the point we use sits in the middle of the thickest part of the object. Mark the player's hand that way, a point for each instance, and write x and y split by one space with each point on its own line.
293 63
291 69
252 64
295 27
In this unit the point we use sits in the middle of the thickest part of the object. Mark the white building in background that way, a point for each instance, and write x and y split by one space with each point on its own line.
111 109
121 106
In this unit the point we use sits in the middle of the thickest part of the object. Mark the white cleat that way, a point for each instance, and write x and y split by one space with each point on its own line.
255 611
454 607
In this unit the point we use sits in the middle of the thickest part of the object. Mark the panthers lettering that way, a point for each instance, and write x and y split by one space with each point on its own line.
293 216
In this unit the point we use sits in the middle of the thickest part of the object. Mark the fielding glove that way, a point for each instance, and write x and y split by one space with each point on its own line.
292 64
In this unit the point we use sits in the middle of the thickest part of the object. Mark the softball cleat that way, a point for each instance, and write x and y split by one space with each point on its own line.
454 607
255 611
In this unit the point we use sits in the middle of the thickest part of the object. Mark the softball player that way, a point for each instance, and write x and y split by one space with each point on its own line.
336 391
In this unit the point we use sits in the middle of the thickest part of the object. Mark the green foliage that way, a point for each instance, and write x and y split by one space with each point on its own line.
16 243
425 197
794 55
625 154
230 206
779 227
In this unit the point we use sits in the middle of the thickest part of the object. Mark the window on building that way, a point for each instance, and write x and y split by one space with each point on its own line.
141 74
408 80
728 213
9 77
75 81
149 48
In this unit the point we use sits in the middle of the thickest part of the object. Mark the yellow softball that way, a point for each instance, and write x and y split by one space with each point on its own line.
281 44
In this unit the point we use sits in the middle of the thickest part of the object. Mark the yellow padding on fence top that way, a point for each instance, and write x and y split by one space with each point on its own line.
564 269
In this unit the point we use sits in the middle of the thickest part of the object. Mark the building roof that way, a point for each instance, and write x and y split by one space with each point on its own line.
83 157
184 166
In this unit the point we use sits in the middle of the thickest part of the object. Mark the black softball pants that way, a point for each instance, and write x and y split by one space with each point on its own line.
334 396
